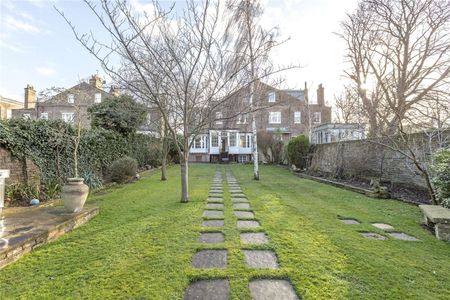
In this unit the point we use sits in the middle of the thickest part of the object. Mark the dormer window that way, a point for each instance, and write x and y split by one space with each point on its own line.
271 97
98 98
70 98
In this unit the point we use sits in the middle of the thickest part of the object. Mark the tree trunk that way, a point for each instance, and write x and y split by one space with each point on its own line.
255 150
163 167
184 177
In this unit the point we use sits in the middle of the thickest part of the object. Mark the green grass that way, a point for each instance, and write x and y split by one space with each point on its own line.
141 244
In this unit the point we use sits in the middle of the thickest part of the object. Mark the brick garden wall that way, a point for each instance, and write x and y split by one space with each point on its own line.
368 159
20 170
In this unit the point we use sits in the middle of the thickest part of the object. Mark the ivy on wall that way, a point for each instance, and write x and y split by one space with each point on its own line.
49 144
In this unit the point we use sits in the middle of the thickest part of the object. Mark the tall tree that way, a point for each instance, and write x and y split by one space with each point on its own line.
399 58
181 63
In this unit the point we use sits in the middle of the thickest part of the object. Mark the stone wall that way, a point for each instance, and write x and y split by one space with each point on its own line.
365 159
20 170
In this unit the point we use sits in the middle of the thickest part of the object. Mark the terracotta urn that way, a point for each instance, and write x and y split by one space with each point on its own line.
74 194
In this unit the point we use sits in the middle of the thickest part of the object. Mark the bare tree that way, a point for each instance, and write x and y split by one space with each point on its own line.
348 106
399 55
183 64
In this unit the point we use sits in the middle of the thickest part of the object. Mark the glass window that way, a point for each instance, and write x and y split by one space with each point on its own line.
317 117
44 116
70 98
98 98
248 141
214 140
275 117
67 117
232 139
242 119
297 117
198 142
218 118
26 116
242 141
271 97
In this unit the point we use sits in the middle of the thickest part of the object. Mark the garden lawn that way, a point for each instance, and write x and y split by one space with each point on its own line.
141 244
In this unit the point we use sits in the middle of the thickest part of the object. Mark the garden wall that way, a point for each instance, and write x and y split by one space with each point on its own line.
20 170
366 159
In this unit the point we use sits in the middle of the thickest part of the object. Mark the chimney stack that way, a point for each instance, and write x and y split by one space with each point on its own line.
30 97
114 90
96 81
320 95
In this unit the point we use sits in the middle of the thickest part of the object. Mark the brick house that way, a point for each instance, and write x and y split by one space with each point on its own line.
285 113
67 105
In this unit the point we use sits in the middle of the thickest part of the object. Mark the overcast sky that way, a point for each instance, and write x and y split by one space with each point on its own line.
37 47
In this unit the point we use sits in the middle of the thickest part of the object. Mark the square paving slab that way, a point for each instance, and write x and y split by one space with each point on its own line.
214 205
244 214
272 289
350 221
211 237
213 223
373 236
215 199
218 289
261 259
239 200
208 259
215 195
254 238
383 226
213 213
241 206
247 223
238 195
402 236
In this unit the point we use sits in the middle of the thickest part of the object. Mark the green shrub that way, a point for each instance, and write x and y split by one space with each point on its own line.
441 176
146 150
123 169
297 149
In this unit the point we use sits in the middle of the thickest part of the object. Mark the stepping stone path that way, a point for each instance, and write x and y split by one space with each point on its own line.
402 236
373 236
219 289
350 221
383 226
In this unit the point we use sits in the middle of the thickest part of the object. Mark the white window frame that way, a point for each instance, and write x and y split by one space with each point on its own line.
275 117
64 117
242 119
233 138
98 98
214 135
44 116
71 98
26 116
317 117
297 117
271 97
219 116
8 113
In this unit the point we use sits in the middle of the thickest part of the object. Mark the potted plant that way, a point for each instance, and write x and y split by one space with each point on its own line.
74 193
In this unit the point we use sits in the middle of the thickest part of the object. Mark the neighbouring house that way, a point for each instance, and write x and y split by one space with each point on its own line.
285 113
337 132
6 107
68 105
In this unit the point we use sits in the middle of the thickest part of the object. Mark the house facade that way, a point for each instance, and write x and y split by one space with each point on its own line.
6 107
70 105
283 113
337 132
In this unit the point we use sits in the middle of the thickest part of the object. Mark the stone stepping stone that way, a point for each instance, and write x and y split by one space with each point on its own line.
214 205
236 191
239 196
244 200
215 199
217 289
213 213
247 223
402 236
254 238
383 226
241 205
350 221
272 289
215 195
209 259
244 214
213 223
261 259
211 237
373 236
